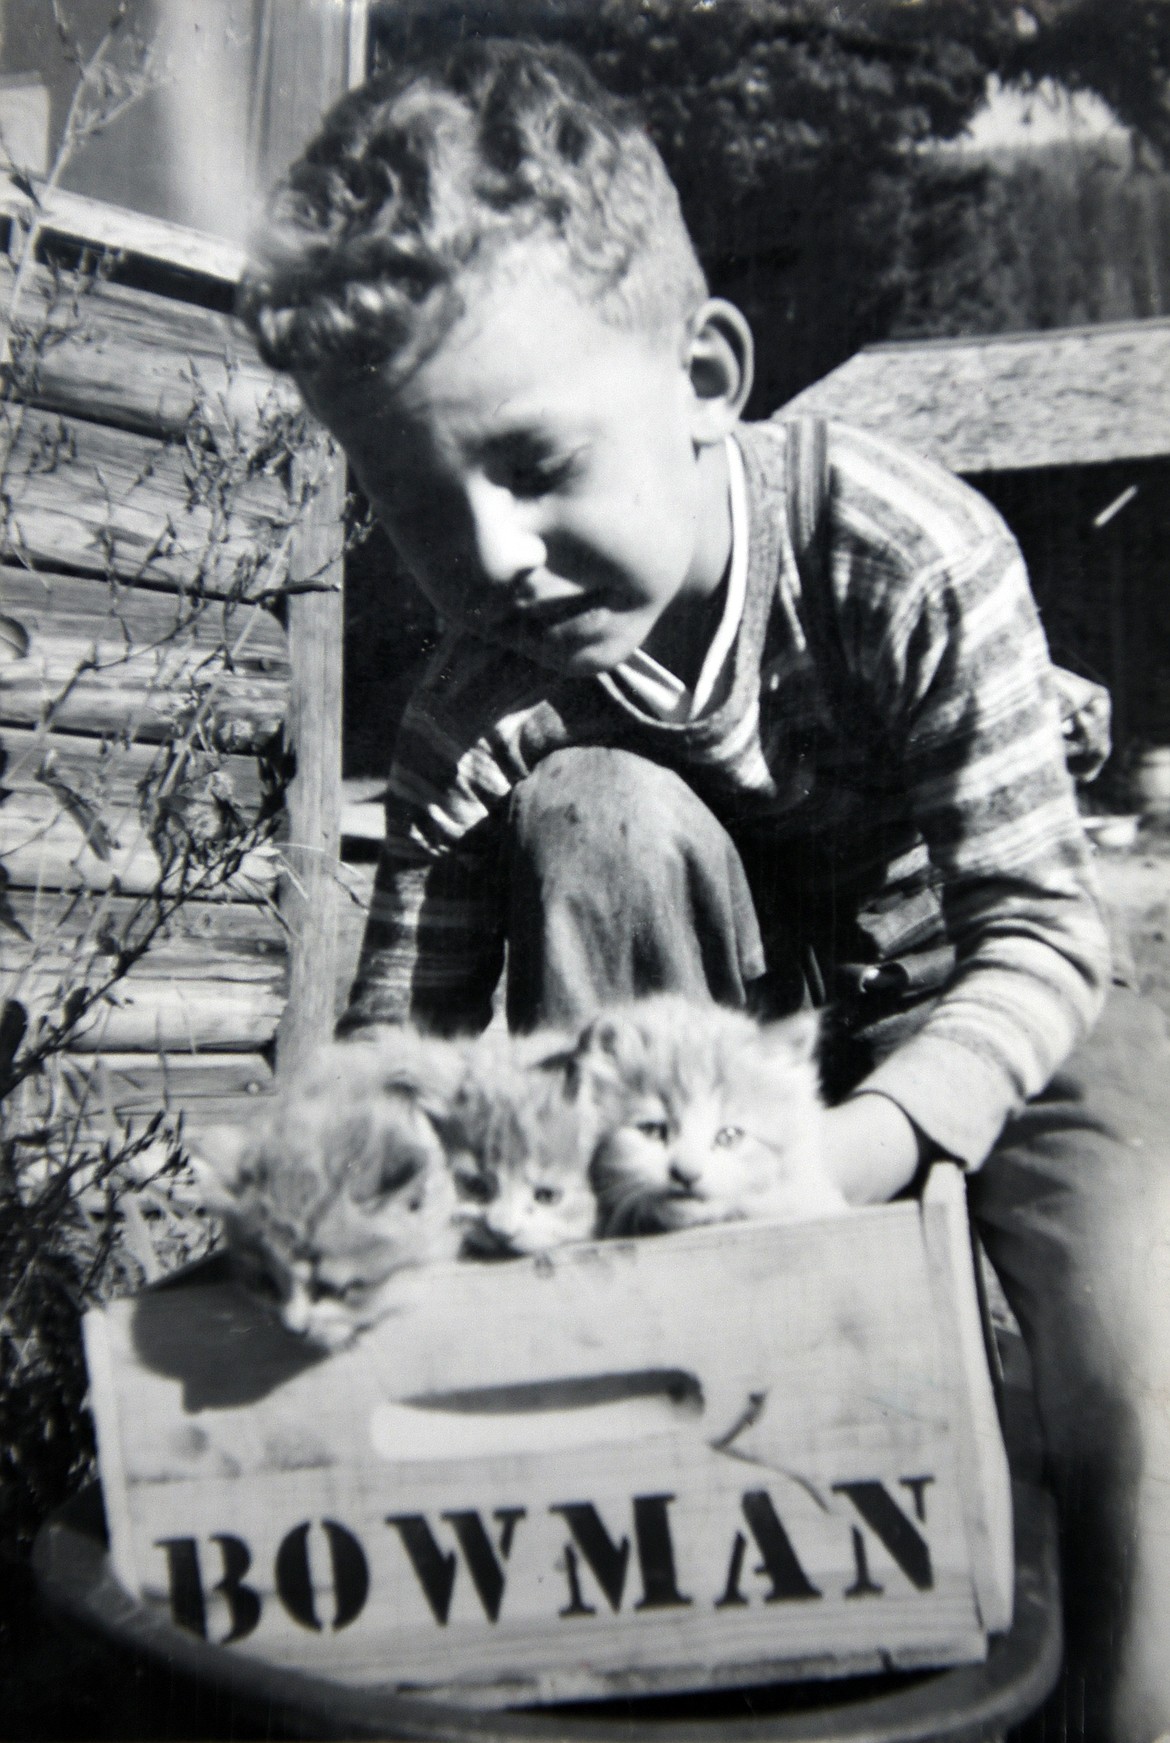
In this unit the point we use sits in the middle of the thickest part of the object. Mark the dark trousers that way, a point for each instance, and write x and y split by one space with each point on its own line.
621 882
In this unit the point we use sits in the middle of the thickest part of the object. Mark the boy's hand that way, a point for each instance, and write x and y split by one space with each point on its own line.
872 1149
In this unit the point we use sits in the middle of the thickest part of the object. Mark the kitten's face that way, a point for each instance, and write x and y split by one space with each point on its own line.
714 1118
526 1139
325 1205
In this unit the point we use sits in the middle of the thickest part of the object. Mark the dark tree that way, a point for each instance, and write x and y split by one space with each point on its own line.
799 134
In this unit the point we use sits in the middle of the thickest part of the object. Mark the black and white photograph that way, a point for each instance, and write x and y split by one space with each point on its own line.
585 871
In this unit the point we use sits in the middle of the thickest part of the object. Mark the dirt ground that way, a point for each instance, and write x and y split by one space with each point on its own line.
1136 882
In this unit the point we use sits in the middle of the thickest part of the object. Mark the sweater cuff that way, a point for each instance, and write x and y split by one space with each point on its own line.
958 1100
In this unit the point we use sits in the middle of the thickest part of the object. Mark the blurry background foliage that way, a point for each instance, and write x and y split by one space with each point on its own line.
807 140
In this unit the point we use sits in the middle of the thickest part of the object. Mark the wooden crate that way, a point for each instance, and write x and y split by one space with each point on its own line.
711 1458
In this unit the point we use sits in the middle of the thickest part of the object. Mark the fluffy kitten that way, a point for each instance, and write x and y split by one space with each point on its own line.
342 1184
520 1139
711 1117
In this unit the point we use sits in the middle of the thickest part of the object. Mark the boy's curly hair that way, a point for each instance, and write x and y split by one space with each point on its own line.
429 172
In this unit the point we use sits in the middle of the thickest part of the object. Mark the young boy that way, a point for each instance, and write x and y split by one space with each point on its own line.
661 746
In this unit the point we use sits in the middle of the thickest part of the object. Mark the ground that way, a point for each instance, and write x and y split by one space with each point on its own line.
1137 888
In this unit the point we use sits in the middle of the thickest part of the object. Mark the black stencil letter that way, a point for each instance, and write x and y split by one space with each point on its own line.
243 1601
294 1580
186 1583
655 1554
731 1592
576 1605
436 1569
484 1568
788 1578
917 1487
888 1523
608 1559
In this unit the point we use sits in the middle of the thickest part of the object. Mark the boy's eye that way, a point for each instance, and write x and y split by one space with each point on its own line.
728 1136
538 480
547 1194
656 1129
528 471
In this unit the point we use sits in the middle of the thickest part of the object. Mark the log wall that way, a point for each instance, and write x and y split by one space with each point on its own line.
151 518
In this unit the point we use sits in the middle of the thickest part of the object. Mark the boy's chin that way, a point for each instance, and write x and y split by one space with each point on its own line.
583 660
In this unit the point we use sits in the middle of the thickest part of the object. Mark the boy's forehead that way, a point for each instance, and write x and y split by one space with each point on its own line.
526 351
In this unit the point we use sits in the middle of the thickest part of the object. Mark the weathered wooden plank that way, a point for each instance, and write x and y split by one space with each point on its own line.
214 1010
47 843
357 887
983 1476
86 496
141 1081
71 921
109 771
63 213
214 975
137 661
64 934
700 1458
116 355
309 896
96 1096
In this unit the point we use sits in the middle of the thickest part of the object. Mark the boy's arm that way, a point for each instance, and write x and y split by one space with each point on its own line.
962 680
433 948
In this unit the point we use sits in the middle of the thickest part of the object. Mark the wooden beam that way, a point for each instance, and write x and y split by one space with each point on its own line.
97 221
95 1092
310 889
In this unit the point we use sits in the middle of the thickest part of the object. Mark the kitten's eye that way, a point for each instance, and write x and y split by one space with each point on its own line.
656 1129
547 1194
728 1137
480 1188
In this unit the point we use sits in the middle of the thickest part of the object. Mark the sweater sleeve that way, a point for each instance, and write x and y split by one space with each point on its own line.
964 684
433 947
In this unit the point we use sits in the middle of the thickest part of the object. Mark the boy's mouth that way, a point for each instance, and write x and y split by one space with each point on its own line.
536 621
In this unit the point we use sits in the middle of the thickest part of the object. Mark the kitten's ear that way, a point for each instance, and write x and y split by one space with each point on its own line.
793 1040
599 1036
218 1165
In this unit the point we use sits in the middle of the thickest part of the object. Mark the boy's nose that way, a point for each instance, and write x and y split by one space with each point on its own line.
505 543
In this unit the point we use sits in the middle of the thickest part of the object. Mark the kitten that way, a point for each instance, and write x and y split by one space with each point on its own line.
520 1138
711 1117
344 1183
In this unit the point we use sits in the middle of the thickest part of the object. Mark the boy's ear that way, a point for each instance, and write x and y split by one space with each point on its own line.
720 360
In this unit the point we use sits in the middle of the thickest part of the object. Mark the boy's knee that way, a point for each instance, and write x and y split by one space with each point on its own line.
611 803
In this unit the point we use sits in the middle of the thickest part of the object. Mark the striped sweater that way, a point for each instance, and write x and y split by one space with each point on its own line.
888 758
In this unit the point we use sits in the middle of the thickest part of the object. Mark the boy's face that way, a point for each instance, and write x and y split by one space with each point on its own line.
540 474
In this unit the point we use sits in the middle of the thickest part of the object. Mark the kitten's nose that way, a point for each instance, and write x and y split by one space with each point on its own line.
295 1312
682 1176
